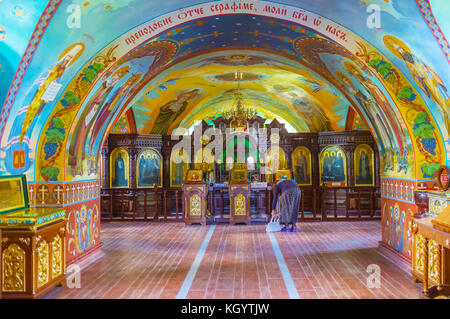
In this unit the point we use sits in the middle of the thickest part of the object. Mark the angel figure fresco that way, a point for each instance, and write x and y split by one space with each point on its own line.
429 82
381 100
392 121
69 56
316 118
87 120
17 151
170 111
377 120
104 116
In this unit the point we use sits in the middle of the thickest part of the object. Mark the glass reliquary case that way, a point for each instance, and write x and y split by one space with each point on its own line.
13 193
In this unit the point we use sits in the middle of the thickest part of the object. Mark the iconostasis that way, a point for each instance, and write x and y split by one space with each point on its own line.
340 159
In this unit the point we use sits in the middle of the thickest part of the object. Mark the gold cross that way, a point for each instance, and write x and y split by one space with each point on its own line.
58 189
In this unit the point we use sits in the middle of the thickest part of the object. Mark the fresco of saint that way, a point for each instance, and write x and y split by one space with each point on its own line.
368 106
301 164
333 166
107 111
69 56
87 120
315 117
170 111
364 174
119 166
149 169
379 97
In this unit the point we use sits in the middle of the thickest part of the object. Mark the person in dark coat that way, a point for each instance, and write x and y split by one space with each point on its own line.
289 203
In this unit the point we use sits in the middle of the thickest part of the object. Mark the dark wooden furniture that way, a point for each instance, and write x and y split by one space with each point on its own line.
33 251
167 202
239 194
195 195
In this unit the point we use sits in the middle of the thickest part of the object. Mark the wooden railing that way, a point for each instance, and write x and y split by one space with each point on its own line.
161 204
350 203
142 204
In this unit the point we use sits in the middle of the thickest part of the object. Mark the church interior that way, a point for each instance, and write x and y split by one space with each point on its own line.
141 143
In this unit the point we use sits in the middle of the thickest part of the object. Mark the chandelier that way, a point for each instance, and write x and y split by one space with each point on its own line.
239 114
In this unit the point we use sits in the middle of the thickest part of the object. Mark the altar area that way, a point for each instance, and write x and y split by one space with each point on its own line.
338 172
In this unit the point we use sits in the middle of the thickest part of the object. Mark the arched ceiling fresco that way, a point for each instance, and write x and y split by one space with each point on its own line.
442 15
17 22
273 85
315 66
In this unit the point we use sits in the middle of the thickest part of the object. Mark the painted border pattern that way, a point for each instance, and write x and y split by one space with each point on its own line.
63 194
430 20
36 37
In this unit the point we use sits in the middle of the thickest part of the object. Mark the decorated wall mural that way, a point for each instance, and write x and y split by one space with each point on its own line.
83 229
122 126
397 225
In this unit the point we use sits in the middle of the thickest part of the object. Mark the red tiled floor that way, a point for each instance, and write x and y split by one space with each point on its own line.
325 260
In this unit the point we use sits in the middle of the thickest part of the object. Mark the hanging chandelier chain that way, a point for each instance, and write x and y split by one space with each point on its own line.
239 113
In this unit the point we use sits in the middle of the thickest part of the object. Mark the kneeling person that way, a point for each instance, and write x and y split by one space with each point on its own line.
290 201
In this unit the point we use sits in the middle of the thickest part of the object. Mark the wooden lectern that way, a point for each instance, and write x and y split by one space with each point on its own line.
239 190
195 195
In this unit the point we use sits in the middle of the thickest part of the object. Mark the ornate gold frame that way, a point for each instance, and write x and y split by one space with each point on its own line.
22 184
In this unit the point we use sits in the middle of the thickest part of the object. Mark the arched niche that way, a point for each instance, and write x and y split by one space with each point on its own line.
364 172
179 165
301 165
149 168
119 168
333 166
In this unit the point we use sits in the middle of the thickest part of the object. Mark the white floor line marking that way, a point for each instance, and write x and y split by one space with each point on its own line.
288 281
184 290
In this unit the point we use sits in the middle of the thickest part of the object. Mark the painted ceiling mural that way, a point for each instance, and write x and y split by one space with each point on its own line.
270 84
122 126
176 66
